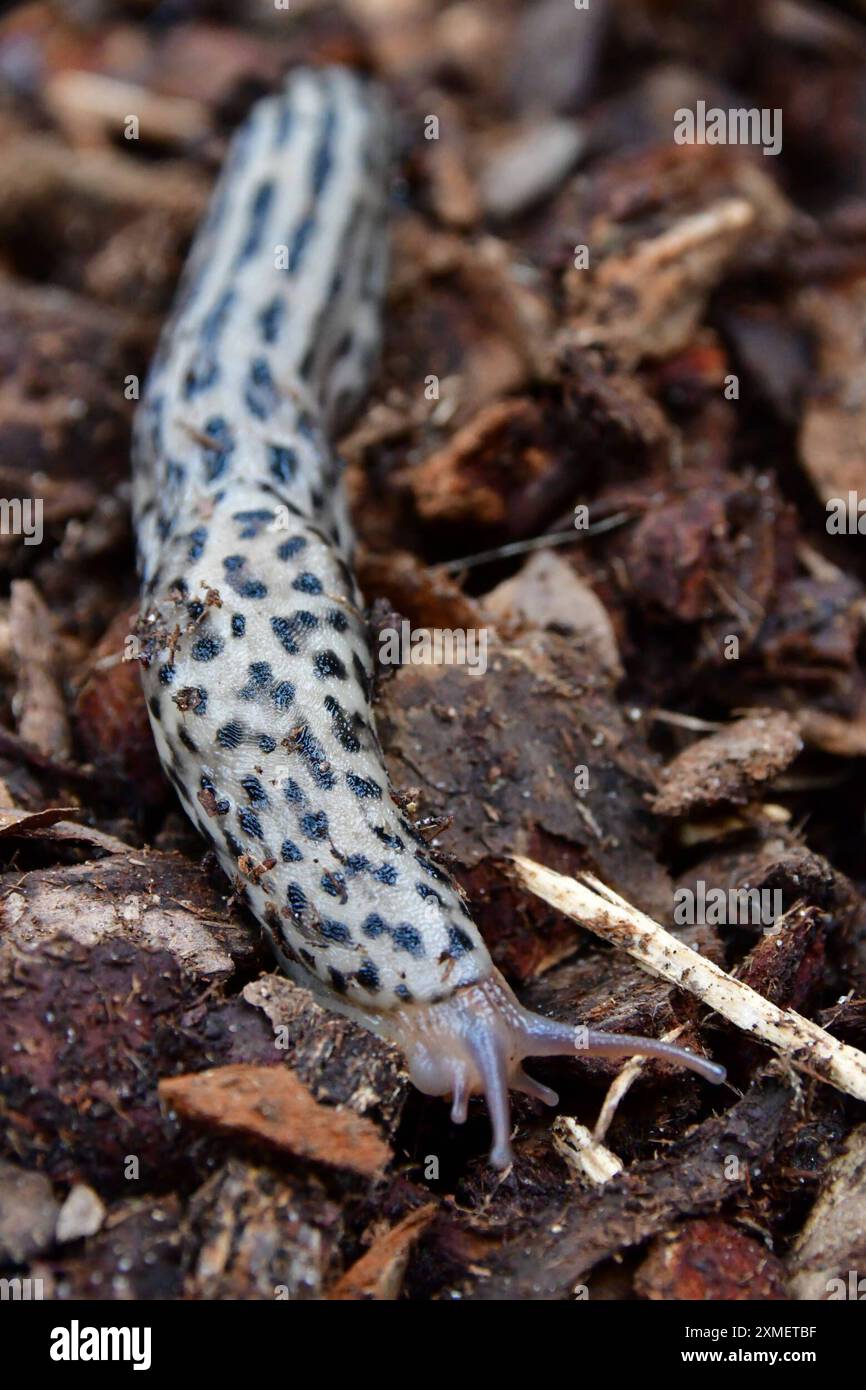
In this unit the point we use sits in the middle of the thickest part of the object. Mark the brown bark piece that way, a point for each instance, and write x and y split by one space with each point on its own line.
39 167
111 716
459 312
788 965
378 1275
40 706
14 822
84 1034
499 753
271 1104
118 226
91 107
153 900
479 476
427 597
64 419
563 1249
547 592
710 1261
724 569
728 766
28 1214
845 738
832 1244
647 301
833 428
338 1061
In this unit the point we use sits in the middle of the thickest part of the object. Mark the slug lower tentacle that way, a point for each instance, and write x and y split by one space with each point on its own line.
256 660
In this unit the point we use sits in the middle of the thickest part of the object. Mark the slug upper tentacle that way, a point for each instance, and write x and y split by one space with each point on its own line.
257 666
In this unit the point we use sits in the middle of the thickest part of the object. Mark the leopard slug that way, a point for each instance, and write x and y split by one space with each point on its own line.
256 661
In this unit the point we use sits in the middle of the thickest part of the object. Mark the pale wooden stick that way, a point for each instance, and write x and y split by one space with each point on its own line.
622 1084
588 1159
601 910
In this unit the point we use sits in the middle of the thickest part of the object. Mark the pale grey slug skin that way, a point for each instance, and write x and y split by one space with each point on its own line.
261 706
256 662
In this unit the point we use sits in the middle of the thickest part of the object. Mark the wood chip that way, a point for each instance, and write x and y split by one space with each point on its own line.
729 765
550 1258
378 1275
14 820
92 107
832 1245
587 1158
648 300
710 1260
548 592
530 166
28 1214
82 1214
39 703
833 430
271 1104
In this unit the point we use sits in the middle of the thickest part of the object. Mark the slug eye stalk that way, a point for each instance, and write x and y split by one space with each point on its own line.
474 1044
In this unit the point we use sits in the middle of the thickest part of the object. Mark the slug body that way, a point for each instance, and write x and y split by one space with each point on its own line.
256 661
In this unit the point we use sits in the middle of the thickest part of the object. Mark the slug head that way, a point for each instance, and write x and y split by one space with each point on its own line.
474 1043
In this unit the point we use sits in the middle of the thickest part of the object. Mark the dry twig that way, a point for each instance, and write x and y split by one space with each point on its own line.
601 910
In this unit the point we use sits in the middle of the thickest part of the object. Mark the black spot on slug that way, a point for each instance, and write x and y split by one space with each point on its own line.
282 463
288 549
363 787
206 648
283 694
250 822
368 976
342 726
328 666
335 931
315 825
459 941
292 792
408 938
255 791
297 899
307 583
231 735
290 631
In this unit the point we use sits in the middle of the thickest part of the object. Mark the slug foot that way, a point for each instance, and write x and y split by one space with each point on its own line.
474 1043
